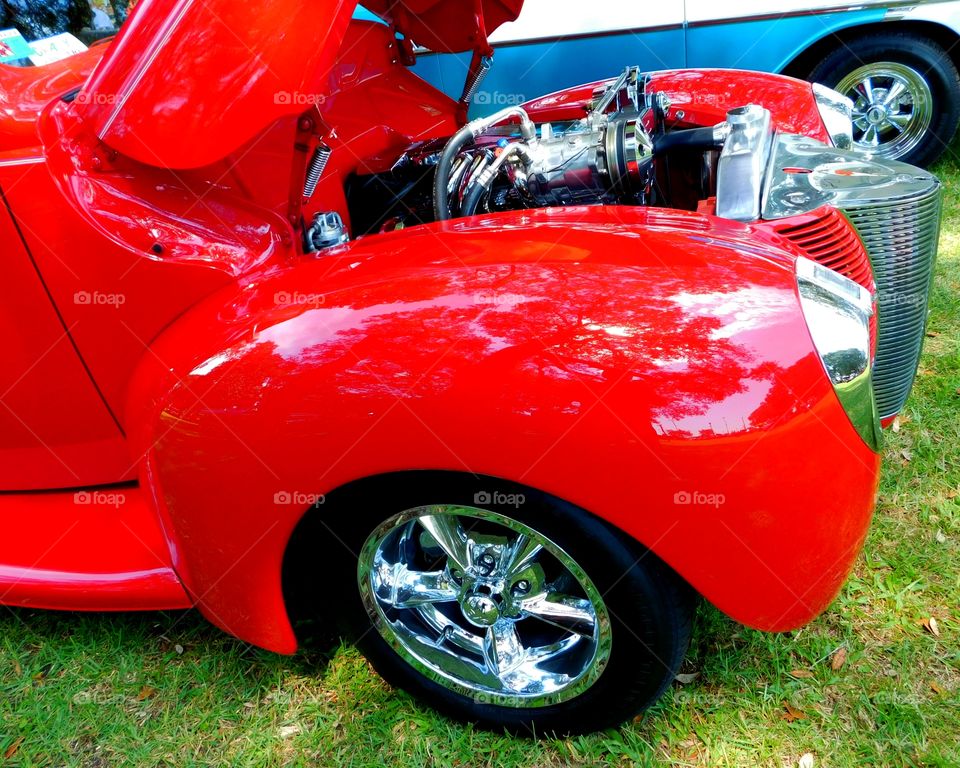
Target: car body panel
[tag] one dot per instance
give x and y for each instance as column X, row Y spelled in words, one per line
column 55, row 430
column 94, row 550
column 172, row 53
column 27, row 90
column 443, row 25
column 768, row 44
column 703, row 97
column 606, row 356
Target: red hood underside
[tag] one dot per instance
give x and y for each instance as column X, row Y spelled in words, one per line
column 446, row 25
column 189, row 81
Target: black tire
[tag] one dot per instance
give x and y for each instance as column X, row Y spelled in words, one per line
column 650, row 608
column 920, row 55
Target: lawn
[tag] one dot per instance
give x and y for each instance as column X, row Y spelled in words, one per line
column 873, row 681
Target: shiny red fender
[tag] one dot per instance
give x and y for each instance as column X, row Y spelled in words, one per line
column 703, row 97
column 650, row 366
column 25, row 91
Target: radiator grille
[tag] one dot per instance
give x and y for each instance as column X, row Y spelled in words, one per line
column 900, row 236
column 828, row 239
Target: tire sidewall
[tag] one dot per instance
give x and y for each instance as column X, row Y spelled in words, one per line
column 649, row 611
column 924, row 56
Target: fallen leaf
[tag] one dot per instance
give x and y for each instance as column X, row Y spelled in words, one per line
column 953, row 492
column 686, row 678
column 17, row 669
column 930, row 624
column 940, row 537
column 802, row 674
column 179, row 649
column 806, row 760
column 287, row 731
column 12, row 749
column 791, row 713
column 933, row 334
column 838, row 659
column 906, row 454
column 895, row 426
column 934, row 687
column 146, row 693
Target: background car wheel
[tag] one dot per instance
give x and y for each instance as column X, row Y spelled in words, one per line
column 906, row 94
column 501, row 605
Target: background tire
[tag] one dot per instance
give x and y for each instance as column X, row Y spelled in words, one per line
column 646, row 608
column 917, row 123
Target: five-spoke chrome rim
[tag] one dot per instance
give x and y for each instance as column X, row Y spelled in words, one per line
column 892, row 107
column 484, row 605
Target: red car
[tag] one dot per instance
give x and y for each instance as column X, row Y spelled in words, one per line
column 288, row 337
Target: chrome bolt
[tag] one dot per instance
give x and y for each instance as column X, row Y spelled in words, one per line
column 521, row 587
column 487, row 562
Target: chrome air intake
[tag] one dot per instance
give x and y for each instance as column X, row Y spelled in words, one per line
column 896, row 210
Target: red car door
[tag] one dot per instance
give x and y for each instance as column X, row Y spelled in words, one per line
column 55, row 430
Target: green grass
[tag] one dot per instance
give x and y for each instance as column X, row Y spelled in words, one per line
column 169, row 689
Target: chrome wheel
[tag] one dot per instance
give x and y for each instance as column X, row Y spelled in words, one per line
column 484, row 605
column 892, row 108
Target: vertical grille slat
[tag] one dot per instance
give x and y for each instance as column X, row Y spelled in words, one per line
column 901, row 239
column 829, row 240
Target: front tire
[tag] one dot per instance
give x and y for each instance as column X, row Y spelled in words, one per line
column 504, row 606
column 906, row 94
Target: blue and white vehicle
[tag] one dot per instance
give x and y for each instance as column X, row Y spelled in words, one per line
column 897, row 61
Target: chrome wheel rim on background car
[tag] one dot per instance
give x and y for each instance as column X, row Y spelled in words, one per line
column 484, row 605
column 892, row 108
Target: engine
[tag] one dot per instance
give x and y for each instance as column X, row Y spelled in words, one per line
column 620, row 152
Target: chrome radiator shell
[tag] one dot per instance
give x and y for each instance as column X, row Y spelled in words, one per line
column 901, row 238
column 895, row 209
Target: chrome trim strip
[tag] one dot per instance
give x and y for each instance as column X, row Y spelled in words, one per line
column 864, row 5
column 22, row 161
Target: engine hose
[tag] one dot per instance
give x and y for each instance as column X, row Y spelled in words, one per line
column 441, row 206
column 692, row 138
column 472, row 200
column 483, row 180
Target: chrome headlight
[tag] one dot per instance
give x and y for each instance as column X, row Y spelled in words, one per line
column 838, row 311
column 836, row 111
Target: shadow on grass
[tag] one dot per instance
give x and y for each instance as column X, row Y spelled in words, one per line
column 160, row 636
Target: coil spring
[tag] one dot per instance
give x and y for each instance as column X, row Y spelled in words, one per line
column 315, row 169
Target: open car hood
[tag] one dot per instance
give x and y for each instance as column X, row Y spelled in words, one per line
column 187, row 82
column 446, row 25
